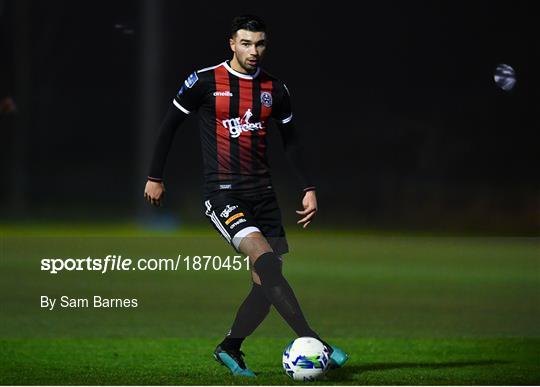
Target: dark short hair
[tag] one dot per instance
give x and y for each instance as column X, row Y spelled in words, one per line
column 247, row 22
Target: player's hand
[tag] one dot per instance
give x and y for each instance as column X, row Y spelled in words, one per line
column 310, row 208
column 153, row 192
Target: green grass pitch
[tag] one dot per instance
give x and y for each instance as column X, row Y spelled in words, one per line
column 408, row 309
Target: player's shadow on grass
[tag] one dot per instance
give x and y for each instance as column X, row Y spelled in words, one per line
column 348, row 372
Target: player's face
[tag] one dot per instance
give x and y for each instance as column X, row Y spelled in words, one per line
column 248, row 48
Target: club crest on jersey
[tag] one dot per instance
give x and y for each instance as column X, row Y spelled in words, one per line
column 266, row 99
column 191, row 80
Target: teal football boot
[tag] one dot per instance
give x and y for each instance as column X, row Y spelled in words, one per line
column 338, row 357
column 234, row 361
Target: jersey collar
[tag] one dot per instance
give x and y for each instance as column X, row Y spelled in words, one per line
column 241, row 75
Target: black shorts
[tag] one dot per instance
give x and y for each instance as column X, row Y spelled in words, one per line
column 234, row 216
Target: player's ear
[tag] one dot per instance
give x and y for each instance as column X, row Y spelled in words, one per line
column 231, row 44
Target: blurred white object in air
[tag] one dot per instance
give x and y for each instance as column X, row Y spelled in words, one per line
column 505, row 77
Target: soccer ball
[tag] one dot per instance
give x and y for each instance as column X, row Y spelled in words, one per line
column 306, row 358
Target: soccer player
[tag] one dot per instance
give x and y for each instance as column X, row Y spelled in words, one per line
column 235, row 101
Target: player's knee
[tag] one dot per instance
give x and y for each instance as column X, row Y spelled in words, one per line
column 253, row 244
column 268, row 267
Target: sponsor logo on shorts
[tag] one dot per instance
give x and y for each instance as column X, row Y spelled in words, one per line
column 234, row 217
column 239, row 221
column 225, row 186
column 227, row 211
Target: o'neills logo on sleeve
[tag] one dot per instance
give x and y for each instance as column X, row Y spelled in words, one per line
column 238, row 125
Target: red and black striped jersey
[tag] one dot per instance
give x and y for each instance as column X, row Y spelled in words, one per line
column 233, row 113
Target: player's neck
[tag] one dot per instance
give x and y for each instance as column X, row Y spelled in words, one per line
column 236, row 67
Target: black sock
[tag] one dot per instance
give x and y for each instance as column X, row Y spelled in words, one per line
column 279, row 292
column 231, row 343
column 250, row 315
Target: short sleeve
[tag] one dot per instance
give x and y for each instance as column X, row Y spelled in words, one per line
column 190, row 95
column 282, row 112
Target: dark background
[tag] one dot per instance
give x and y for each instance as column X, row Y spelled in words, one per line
column 406, row 127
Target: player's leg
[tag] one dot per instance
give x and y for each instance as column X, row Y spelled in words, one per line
column 268, row 218
column 254, row 308
column 267, row 265
column 265, row 249
column 232, row 219
column 255, row 277
column 249, row 316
